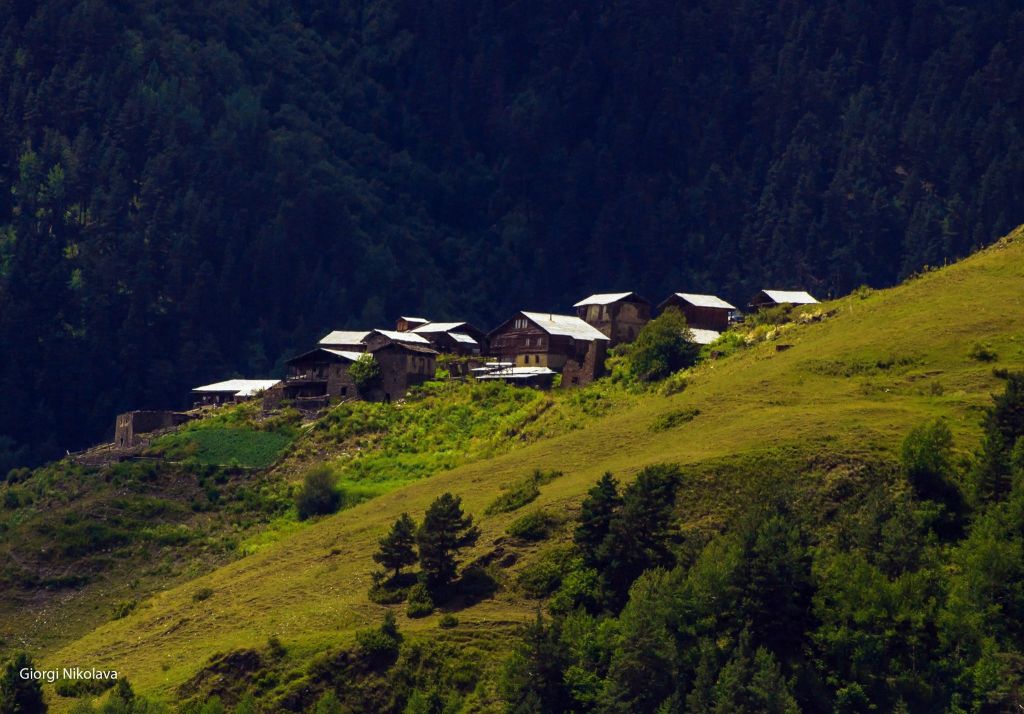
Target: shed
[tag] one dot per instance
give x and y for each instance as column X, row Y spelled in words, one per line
column 704, row 312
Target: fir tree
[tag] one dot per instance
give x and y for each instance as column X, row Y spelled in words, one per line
column 18, row 695
column 398, row 547
column 444, row 532
column 596, row 515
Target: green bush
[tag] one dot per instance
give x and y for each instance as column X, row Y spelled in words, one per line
column 420, row 603
column 674, row 419
column 202, row 594
column 365, row 371
column 663, row 346
column 982, row 352
column 318, row 495
column 522, row 492
column 536, row 525
column 448, row 621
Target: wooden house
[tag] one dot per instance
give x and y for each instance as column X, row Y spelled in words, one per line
column 402, row 365
column 774, row 298
column 407, row 324
column 619, row 316
column 702, row 312
column 460, row 338
column 562, row 343
column 316, row 376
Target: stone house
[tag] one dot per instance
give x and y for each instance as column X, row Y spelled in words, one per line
column 619, row 316
column 562, row 343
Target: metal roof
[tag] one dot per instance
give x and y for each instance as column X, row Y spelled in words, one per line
column 703, row 337
column 793, row 297
column 705, row 300
column 347, row 354
column 438, row 327
column 344, row 337
column 516, row 373
column 414, row 319
column 603, row 299
column 566, row 325
column 238, row 387
column 463, row 338
column 404, row 336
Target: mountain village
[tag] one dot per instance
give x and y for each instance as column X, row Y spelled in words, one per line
column 533, row 349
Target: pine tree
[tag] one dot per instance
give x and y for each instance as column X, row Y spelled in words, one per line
column 533, row 681
column 397, row 548
column 444, row 532
column 599, row 508
column 18, row 695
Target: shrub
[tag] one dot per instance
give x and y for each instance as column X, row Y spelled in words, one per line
column 202, row 594
column 124, row 608
column 420, row 603
column 982, row 352
column 674, row 419
column 663, row 346
column 380, row 645
column 318, row 496
column 536, row 525
column 522, row 492
column 365, row 371
column 543, row 576
column 448, row 621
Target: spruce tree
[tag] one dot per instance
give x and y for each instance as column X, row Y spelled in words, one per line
column 444, row 532
column 18, row 695
column 398, row 547
column 599, row 508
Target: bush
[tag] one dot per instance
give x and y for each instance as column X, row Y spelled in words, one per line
column 448, row 621
column 663, row 346
column 674, row 419
column 522, row 492
column 420, row 603
column 982, row 352
column 202, row 594
column 536, row 525
column 318, row 496
column 365, row 371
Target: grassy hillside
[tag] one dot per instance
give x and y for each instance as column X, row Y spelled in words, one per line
column 841, row 385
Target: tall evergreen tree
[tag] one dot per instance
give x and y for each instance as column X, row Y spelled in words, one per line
column 444, row 532
column 19, row 695
column 398, row 547
column 597, row 512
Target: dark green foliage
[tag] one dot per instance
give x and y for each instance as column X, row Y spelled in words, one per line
column 1004, row 426
column 444, row 532
column 674, row 419
column 365, row 371
column 927, row 460
column 596, row 514
column 420, row 603
column 17, row 695
column 532, row 682
column 448, row 621
column 319, row 495
column 398, row 547
column 532, row 526
column 185, row 223
column 752, row 684
column 662, row 347
column 379, row 647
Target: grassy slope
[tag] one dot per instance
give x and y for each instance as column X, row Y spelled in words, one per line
column 310, row 588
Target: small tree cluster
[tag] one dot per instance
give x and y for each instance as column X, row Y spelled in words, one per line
column 662, row 347
column 319, row 495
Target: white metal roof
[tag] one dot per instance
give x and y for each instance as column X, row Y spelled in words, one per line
column 238, row 387
column 344, row 337
column 793, row 297
column 414, row 319
column 602, row 299
column 463, row 338
column 705, row 300
column 347, row 354
column 566, row 325
column 439, row 327
column 409, row 337
column 516, row 373
column 704, row 337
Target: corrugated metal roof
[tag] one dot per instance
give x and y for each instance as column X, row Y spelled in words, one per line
column 793, row 297
column 238, row 387
column 410, row 337
column 439, row 327
column 344, row 337
column 566, row 325
column 463, row 338
column 703, row 337
column 705, row 300
column 413, row 319
column 602, row 299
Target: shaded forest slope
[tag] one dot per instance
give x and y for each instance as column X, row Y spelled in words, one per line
column 190, row 190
